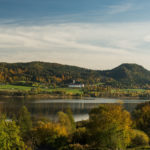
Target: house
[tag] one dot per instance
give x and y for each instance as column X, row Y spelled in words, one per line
column 76, row 85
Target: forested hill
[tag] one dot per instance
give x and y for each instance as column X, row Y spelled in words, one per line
column 130, row 75
column 125, row 75
column 49, row 73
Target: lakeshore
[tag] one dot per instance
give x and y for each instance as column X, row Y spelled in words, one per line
column 32, row 92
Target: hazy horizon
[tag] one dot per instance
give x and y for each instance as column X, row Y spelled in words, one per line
column 94, row 34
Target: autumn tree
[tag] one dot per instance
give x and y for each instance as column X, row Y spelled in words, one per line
column 141, row 116
column 64, row 120
column 24, row 121
column 10, row 138
column 71, row 118
column 138, row 138
column 109, row 127
column 49, row 135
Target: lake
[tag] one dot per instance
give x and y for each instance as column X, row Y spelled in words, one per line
column 49, row 108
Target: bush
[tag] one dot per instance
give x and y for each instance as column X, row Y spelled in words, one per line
column 141, row 116
column 138, row 138
column 49, row 135
column 76, row 147
column 80, row 136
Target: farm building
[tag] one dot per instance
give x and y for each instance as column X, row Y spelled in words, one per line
column 76, row 85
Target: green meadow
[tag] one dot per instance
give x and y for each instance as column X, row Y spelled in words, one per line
column 14, row 87
column 9, row 87
column 128, row 90
column 67, row 90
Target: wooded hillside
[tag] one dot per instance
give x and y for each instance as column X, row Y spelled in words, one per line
column 125, row 75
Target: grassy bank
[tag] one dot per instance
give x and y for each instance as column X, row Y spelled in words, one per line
column 9, row 87
column 8, row 90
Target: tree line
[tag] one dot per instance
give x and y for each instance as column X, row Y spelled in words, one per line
column 109, row 126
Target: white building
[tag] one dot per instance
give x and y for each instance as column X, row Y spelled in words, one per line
column 76, row 85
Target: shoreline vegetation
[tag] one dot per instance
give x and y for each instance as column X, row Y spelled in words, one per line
column 36, row 92
column 109, row 127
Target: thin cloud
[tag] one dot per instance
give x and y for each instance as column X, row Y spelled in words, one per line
column 116, row 9
column 97, row 46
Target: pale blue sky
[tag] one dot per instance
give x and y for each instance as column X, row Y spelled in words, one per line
column 97, row 34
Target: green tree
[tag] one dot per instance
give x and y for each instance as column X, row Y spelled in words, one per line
column 71, row 118
column 24, row 121
column 109, row 127
column 64, row 120
column 10, row 138
column 141, row 116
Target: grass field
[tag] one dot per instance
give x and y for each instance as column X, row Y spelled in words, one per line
column 28, row 88
column 128, row 90
column 67, row 90
column 14, row 87
column 132, row 90
column 71, row 91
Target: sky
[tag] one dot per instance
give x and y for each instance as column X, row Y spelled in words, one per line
column 95, row 34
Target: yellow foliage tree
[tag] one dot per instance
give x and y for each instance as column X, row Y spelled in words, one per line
column 109, row 126
column 46, row 134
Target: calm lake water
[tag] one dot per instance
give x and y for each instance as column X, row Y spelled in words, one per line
column 49, row 108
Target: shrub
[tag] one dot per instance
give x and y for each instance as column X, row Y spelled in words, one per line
column 141, row 116
column 80, row 136
column 49, row 135
column 138, row 138
column 76, row 147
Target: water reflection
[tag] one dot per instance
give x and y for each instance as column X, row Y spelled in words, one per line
column 49, row 108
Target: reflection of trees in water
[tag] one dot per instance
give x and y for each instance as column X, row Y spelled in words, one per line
column 53, row 108
column 130, row 106
column 11, row 106
column 50, row 109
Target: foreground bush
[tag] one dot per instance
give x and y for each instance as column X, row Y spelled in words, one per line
column 10, row 138
column 49, row 135
column 80, row 136
column 76, row 147
column 141, row 117
column 138, row 138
